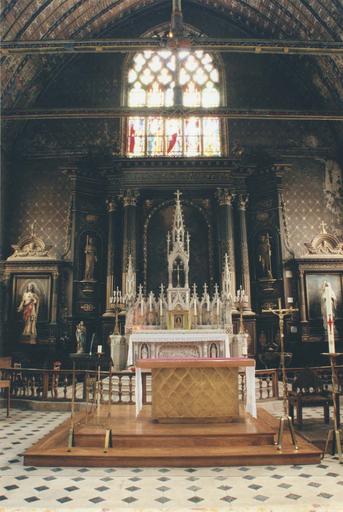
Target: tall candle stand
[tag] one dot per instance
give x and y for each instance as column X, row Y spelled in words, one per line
column 334, row 433
column 285, row 418
column 117, row 303
column 98, row 386
column 241, row 301
column 72, row 415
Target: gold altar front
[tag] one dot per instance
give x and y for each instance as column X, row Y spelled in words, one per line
column 188, row 390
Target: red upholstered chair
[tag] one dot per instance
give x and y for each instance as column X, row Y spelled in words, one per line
column 308, row 391
column 5, row 362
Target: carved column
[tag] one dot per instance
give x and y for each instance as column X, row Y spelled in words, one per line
column 129, row 240
column 110, row 277
column 244, row 253
column 225, row 200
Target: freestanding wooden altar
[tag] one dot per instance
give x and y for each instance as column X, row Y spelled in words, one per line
column 196, row 390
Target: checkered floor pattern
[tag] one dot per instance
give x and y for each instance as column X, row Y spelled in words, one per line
column 263, row 488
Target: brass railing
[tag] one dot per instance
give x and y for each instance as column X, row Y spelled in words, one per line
column 51, row 385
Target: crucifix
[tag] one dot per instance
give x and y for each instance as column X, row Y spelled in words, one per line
column 323, row 227
column 285, row 418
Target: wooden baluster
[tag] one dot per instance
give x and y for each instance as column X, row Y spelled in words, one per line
column 24, row 386
column 65, row 386
column 144, row 399
column 120, row 389
column 131, row 388
column 32, row 387
column 45, row 385
column 261, row 386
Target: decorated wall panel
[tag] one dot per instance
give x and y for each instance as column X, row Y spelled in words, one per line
column 310, row 198
column 41, row 198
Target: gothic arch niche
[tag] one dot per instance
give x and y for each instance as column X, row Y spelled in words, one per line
column 156, row 229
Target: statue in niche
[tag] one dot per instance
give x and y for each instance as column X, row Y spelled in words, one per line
column 29, row 307
column 81, row 337
column 90, row 259
column 213, row 351
column 264, row 257
column 144, row 351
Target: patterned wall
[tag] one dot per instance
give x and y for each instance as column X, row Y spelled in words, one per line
column 306, row 203
column 42, row 197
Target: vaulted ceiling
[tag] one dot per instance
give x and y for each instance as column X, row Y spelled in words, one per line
column 27, row 20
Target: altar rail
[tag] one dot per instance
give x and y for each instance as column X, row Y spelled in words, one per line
column 56, row 385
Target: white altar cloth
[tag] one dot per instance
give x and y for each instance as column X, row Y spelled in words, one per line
column 250, row 398
column 177, row 336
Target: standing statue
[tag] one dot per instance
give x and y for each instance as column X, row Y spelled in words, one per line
column 264, row 256
column 90, row 259
column 81, row 337
column 29, row 305
column 328, row 303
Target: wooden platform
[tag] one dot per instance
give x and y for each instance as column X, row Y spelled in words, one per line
column 139, row 442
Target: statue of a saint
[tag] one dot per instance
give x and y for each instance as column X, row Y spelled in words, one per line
column 29, row 305
column 90, row 259
column 264, row 257
column 328, row 304
column 81, row 337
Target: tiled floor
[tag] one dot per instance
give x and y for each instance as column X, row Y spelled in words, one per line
column 263, row 488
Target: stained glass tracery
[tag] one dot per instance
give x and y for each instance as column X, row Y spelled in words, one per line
column 151, row 79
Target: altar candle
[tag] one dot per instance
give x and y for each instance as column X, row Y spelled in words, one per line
column 142, row 306
column 195, row 307
column 328, row 297
column 99, row 349
column 208, row 305
column 150, row 302
column 217, row 307
column 161, row 307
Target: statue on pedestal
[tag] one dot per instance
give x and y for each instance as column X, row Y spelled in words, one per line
column 264, row 257
column 81, row 337
column 90, row 259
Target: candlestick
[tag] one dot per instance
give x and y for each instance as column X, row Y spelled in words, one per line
column 328, row 297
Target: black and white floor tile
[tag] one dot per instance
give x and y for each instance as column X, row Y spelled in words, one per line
column 316, row 488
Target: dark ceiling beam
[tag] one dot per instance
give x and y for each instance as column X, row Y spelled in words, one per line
column 120, row 112
column 258, row 46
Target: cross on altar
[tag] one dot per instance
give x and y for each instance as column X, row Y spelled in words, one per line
column 281, row 313
column 178, row 194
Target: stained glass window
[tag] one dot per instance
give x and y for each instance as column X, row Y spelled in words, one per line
column 152, row 80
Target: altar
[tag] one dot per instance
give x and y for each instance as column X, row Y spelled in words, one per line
column 177, row 343
column 204, row 389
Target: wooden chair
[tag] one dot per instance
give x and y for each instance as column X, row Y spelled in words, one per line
column 308, row 391
column 5, row 362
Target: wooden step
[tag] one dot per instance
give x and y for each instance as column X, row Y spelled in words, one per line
column 90, row 440
column 174, row 457
column 140, row 442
